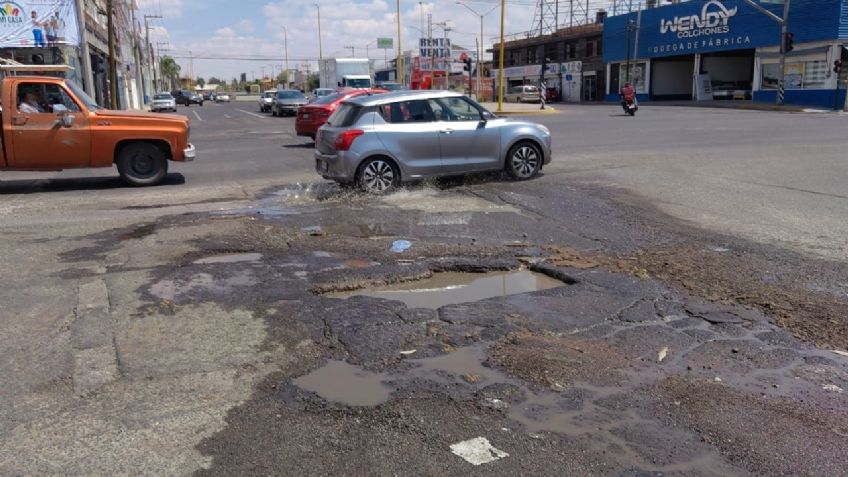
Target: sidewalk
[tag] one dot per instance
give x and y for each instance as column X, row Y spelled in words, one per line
column 512, row 109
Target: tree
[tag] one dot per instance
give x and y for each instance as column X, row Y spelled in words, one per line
column 214, row 80
column 312, row 82
column 170, row 71
column 283, row 78
column 200, row 81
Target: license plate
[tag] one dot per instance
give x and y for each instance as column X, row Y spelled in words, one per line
column 305, row 115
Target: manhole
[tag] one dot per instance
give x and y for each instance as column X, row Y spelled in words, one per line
column 344, row 383
column 455, row 287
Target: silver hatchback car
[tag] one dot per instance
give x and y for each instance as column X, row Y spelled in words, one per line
column 380, row 141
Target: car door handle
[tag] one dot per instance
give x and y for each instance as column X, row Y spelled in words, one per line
column 446, row 131
column 19, row 120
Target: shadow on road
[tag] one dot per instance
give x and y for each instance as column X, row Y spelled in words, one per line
column 303, row 145
column 30, row 186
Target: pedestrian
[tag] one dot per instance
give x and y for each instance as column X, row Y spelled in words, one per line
column 37, row 32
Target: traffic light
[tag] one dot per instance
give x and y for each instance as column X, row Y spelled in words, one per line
column 788, row 42
column 837, row 66
column 468, row 64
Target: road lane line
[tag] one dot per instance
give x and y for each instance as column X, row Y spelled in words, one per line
column 197, row 116
column 253, row 114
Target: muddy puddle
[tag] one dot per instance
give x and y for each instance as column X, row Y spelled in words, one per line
column 229, row 258
column 437, row 201
column 346, row 384
column 455, row 287
column 199, row 283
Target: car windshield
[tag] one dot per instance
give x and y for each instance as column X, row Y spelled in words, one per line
column 290, row 95
column 323, row 92
column 269, row 94
column 162, row 96
column 327, row 99
column 359, row 83
column 82, row 96
column 392, row 86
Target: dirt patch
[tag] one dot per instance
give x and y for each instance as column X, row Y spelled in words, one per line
column 801, row 436
column 558, row 361
column 777, row 289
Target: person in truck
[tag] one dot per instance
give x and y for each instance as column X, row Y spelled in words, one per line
column 30, row 103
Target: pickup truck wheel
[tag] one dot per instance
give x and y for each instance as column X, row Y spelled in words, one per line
column 142, row 164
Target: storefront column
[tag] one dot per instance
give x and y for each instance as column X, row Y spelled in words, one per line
column 696, row 72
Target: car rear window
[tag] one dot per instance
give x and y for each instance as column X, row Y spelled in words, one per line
column 327, row 99
column 289, row 94
column 345, row 115
column 162, row 96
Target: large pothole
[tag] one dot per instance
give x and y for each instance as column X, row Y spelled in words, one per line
column 448, row 288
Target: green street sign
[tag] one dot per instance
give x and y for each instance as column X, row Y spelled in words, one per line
column 384, row 43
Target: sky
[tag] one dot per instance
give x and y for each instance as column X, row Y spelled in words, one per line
column 236, row 31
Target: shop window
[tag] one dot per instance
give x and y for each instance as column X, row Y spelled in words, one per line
column 590, row 48
column 798, row 75
column 514, row 58
column 531, row 56
column 570, row 51
column 618, row 76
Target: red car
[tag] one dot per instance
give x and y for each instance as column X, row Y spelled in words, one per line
column 315, row 114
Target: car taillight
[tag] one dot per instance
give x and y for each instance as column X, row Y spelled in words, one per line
column 345, row 139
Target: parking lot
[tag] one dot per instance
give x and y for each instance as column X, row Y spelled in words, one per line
column 679, row 286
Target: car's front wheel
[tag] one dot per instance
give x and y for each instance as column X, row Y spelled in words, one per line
column 142, row 164
column 523, row 161
column 378, row 175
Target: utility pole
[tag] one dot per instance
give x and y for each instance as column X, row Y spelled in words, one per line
column 113, row 64
column 320, row 50
column 480, row 48
column 286, row 46
column 432, row 50
column 784, row 29
column 400, row 72
column 147, row 43
column 156, row 65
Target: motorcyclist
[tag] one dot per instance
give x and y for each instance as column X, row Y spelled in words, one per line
column 628, row 94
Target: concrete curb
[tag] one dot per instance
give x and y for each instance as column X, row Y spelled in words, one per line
column 547, row 110
column 92, row 339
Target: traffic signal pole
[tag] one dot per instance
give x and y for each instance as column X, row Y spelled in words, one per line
column 783, row 22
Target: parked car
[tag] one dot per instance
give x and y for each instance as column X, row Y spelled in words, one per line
column 222, row 98
column 381, row 141
column 187, row 98
column 390, row 85
column 209, row 96
column 523, row 94
column 315, row 114
column 319, row 92
column 287, row 101
column 266, row 100
column 163, row 102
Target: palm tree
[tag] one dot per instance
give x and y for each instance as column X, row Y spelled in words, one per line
column 170, row 71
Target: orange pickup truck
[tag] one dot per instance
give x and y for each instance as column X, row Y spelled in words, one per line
column 50, row 124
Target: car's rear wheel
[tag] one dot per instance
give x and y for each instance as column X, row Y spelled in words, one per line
column 142, row 164
column 523, row 161
column 378, row 175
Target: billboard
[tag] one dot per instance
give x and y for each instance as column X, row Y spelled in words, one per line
column 38, row 23
column 384, row 43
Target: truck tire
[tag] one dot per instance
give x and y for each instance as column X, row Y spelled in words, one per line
column 142, row 164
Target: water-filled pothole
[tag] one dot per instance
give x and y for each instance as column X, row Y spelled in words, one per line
column 345, row 383
column 456, row 287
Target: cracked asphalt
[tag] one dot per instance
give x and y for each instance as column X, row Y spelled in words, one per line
column 190, row 328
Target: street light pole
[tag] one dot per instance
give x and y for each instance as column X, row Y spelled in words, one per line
column 480, row 50
column 784, row 29
column 501, row 60
column 286, row 46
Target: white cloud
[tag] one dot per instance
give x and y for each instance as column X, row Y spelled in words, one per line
column 225, row 32
column 245, row 26
column 168, row 8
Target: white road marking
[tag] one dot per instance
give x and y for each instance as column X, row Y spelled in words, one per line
column 228, row 116
column 253, row 114
column 197, row 116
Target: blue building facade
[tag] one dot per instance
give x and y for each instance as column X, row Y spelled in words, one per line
column 711, row 49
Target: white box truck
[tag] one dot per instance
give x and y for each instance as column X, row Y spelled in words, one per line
column 339, row 73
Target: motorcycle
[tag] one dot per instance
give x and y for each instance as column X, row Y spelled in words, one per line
column 630, row 107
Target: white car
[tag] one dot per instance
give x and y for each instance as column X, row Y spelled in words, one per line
column 163, row 102
column 222, row 98
column 266, row 100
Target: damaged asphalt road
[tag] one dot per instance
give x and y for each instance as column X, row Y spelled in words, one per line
column 665, row 351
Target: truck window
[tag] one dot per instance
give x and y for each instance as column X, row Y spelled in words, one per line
column 36, row 98
column 358, row 83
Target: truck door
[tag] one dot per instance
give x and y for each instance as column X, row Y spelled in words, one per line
column 39, row 139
